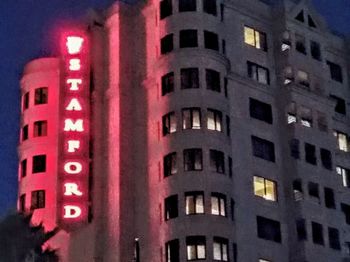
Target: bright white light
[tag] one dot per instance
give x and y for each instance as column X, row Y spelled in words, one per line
column 71, row 211
column 73, row 168
column 72, row 189
column 74, row 44
column 74, row 83
column 69, row 125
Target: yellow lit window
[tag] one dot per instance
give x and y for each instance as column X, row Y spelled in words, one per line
column 265, row 188
column 249, row 36
column 255, row 38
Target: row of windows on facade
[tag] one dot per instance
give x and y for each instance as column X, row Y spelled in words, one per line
column 37, row 200
column 38, row 165
column 40, row 97
column 190, row 79
column 209, row 7
column 191, row 119
column 39, row 129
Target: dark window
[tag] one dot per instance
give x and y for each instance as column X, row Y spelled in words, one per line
column 317, row 233
column 40, row 128
column 232, row 209
column 214, row 120
column 167, row 83
column 194, row 202
column 38, row 199
column 310, row 154
column 22, row 203
column 300, row 44
column 315, row 50
column 263, row 149
column 209, row 6
column 196, row 247
column 25, row 133
column 335, row 71
column 166, row 8
column 329, row 198
column 228, row 126
column 222, row 12
column 189, row 78
column 187, row 5
column 225, row 86
column 169, row 123
column 172, row 251
column 217, row 161
column 170, row 165
column 212, row 78
column 166, row 44
column 25, row 100
column 191, row 118
column 258, row 73
column 170, row 207
column 188, row 38
column 294, row 148
column 235, row 252
column 211, row 40
column 39, row 164
column 269, row 229
column 300, row 16
column 23, row 167
column 340, row 106
column 333, row 236
column 346, row 210
column 223, row 44
column 301, row 229
column 260, row 110
column 40, row 96
column 230, row 172
column 220, row 249
column 193, row 159
column 326, row 158
column 297, row 190
column 311, row 22
column 313, row 190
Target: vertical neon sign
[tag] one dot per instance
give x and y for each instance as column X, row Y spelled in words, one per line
column 75, row 131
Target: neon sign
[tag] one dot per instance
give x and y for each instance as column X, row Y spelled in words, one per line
column 75, row 131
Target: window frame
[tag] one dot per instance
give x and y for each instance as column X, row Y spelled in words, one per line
column 195, row 242
column 40, row 128
column 169, row 123
column 171, row 207
column 216, row 120
column 217, row 161
column 170, row 164
column 264, row 149
column 168, row 84
column 190, row 159
column 167, row 44
column 265, row 195
column 190, row 118
column 222, row 244
column 259, row 38
column 254, row 71
column 194, row 203
column 221, row 204
column 41, row 166
column 213, row 80
column 38, row 200
column 41, row 96
column 188, row 38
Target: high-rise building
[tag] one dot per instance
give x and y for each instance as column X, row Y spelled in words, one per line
column 185, row 130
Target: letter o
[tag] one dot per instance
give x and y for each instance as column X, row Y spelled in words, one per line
column 73, row 168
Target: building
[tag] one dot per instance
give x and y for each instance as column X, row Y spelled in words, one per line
column 191, row 130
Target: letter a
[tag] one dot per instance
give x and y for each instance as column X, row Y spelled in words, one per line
column 74, row 105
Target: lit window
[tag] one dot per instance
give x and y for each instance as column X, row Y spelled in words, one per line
column 340, row 105
column 189, row 78
column 303, row 78
column 335, row 72
column 265, row 188
column 214, row 120
column 39, row 164
column 41, row 96
column 306, row 116
column 288, row 75
column 188, row 38
column 195, row 247
column 263, row 148
column 297, row 190
column 255, row 38
column 40, row 128
column 166, row 44
column 38, row 199
column 300, row 44
column 345, row 173
column 269, row 229
column 193, row 159
column 317, row 233
column 220, row 249
column 167, row 83
column 25, row 133
column 209, row 6
column 211, row 40
column 187, row 5
column 217, row 161
column 169, row 123
column 310, row 154
column 191, row 118
column 258, row 73
column 212, row 79
column 343, row 141
column 171, row 207
column 172, row 249
column 23, row 167
column 291, row 113
column 166, row 8
column 291, row 118
column 218, row 204
column 264, row 260
column 25, row 100
column 326, row 158
column 170, row 166
column 194, row 203
column 260, row 110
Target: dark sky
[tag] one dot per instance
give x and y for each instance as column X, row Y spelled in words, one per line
column 26, row 28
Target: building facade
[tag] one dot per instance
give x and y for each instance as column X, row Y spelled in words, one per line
column 182, row 130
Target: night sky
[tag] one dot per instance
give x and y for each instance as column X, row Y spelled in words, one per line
column 26, row 28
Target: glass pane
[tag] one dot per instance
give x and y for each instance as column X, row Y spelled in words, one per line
column 217, row 251
column 189, row 205
column 249, row 36
column 200, row 204
column 172, row 123
column 343, row 142
column 224, row 252
column 222, row 207
column 214, row 205
column 191, row 252
column 262, row 75
column 211, row 122
column 201, row 251
column 257, row 40
column 270, row 190
column 259, row 189
column 198, row 160
column 218, row 122
column 196, row 119
column 173, row 164
column 186, row 119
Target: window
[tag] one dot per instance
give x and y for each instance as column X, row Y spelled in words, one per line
column 311, row 22
column 188, row 38
column 166, row 44
column 170, row 165
column 41, row 96
column 191, row 118
column 343, row 141
column 264, row 260
column 255, row 38
column 22, row 203
column 346, row 210
column 322, row 121
column 288, row 75
column 218, row 204
column 212, row 78
column 263, row 149
column 39, row 164
column 211, row 40
column 258, row 73
column 172, row 249
column 166, row 8
column 223, row 45
column 317, row 233
column 193, row 159
column 25, row 133
column 228, row 126
column 315, row 50
column 38, row 199
column 329, row 198
column 269, row 229
column 25, row 101
column 194, row 203
column 300, row 44
column 313, row 190
column 335, row 71
column 171, row 207
column 294, row 148
column 265, row 188
column 310, row 154
column 220, row 249
column 347, row 247
column 225, row 86
column 301, row 229
column 195, row 247
column 260, row 110
column 187, row 5
column 189, row 78
column 305, row 116
column 345, row 173
column 235, row 252
column 333, row 236
column 169, row 123
column 297, row 190
column 303, row 78
column 300, row 16
column 40, row 128
column 214, row 121
column 217, row 161
column 168, row 83
column 23, row 167
column 209, row 6
column 232, row 209
column 340, row 106
column 230, row 172
column 326, row 158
